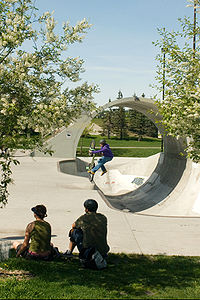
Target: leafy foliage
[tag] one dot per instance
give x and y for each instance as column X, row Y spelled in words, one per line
column 141, row 125
column 180, row 107
column 34, row 101
column 119, row 122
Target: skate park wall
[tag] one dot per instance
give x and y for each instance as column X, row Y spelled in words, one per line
column 64, row 144
column 173, row 185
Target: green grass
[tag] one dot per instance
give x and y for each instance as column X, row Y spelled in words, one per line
column 134, row 152
column 127, row 277
column 114, row 142
column 124, row 152
column 128, row 152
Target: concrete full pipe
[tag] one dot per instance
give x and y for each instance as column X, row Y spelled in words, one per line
column 167, row 180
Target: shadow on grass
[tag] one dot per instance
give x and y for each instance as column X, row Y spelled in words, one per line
column 135, row 275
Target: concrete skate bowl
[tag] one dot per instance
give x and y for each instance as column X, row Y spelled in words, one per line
column 169, row 178
column 75, row 167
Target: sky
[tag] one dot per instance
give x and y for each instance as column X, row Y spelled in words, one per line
column 118, row 50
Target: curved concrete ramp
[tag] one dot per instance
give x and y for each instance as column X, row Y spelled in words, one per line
column 174, row 191
column 167, row 190
column 157, row 188
column 174, row 181
column 125, row 174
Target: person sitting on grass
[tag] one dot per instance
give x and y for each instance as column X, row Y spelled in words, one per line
column 107, row 156
column 37, row 241
column 89, row 231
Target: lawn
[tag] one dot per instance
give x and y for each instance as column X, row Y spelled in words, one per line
column 145, row 143
column 127, row 277
column 124, row 152
column 115, row 142
column 144, row 148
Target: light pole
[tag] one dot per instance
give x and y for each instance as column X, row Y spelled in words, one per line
column 163, row 79
column 194, row 28
column 163, row 89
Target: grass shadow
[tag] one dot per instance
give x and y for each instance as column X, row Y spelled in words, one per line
column 126, row 275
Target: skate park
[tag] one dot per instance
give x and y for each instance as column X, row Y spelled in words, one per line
column 152, row 204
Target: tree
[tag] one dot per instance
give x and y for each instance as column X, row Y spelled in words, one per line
column 139, row 124
column 107, row 122
column 180, row 107
column 33, row 100
column 119, row 120
column 120, row 95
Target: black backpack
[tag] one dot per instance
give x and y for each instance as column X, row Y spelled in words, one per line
column 91, row 258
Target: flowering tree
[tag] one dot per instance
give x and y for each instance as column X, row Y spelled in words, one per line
column 33, row 100
column 179, row 77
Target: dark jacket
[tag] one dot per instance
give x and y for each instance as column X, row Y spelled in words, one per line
column 94, row 227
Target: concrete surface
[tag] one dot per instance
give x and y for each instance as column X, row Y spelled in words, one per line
column 170, row 173
column 160, row 193
column 64, row 143
column 39, row 181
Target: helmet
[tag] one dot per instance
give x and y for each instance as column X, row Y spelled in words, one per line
column 91, row 205
column 102, row 142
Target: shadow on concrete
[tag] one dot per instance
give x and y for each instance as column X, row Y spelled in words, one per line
column 163, row 180
column 75, row 167
column 158, row 187
column 20, row 237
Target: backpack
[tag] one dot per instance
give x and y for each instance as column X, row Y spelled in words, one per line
column 91, row 258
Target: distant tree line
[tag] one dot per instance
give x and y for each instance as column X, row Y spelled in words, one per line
column 122, row 122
